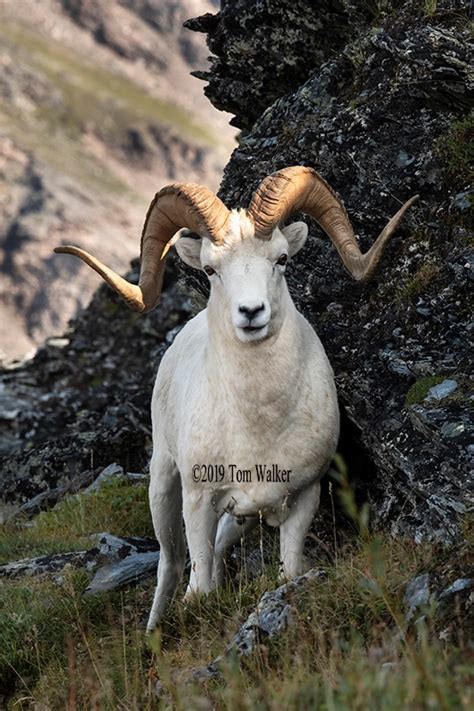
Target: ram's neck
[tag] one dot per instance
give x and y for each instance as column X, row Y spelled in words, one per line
column 263, row 373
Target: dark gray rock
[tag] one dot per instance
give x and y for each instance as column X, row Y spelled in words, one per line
column 380, row 119
column 417, row 594
column 262, row 50
column 133, row 568
column 422, row 591
column 112, row 471
column 275, row 611
column 438, row 392
column 124, row 561
column 461, row 585
column 116, row 562
column 115, row 471
column 50, row 564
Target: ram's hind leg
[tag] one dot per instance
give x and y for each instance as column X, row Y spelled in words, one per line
column 166, row 511
column 229, row 532
column 294, row 529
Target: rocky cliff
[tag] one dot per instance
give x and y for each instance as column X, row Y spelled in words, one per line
column 91, row 125
column 386, row 116
column 382, row 112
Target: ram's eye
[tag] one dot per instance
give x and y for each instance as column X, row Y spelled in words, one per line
column 209, row 270
column 282, row 260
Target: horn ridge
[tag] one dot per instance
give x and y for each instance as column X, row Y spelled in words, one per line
column 172, row 208
column 302, row 189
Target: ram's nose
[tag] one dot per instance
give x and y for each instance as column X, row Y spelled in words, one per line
column 251, row 310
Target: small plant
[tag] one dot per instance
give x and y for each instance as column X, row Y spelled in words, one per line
column 418, row 283
column 431, row 6
column 420, row 389
column 456, row 150
column 356, row 53
column 377, row 9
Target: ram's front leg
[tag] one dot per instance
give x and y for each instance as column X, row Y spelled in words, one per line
column 294, row 529
column 200, row 520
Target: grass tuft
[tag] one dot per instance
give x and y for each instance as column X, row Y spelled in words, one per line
column 117, row 508
column 418, row 283
column 456, row 149
column 431, row 6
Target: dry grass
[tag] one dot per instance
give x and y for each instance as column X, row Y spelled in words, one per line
column 349, row 647
column 418, row 283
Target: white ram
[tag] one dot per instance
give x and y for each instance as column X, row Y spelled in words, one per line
column 244, row 409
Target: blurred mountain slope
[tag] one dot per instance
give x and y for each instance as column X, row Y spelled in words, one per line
column 97, row 111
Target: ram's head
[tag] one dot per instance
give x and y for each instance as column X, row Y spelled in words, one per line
column 251, row 234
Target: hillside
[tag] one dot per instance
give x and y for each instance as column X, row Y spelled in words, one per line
column 376, row 96
column 98, row 110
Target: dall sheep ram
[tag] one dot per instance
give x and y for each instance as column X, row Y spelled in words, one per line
column 244, row 409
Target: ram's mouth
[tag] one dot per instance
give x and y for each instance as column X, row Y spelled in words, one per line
column 254, row 329
column 251, row 333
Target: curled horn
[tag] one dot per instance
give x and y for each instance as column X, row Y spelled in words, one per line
column 173, row 207
column 301, row 189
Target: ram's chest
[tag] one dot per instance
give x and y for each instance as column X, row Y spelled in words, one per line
column 262, row 449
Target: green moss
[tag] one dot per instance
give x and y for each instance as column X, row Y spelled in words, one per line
column 419, row 390
column 418, row 283
column 456, row 149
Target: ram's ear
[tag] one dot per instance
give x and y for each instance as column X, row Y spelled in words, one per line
column 296, row 235
column 189, row 248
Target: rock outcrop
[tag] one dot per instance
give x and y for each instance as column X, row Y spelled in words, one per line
column 262, row 50
column 386, row 116
column 114, row 561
